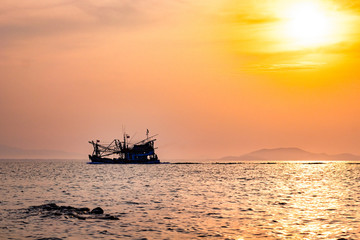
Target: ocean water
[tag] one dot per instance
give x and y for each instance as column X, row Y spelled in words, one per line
column 286, row 200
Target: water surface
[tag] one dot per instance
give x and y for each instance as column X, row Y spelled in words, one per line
column 291, row 200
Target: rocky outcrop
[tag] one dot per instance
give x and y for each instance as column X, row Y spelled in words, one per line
column 83, row 213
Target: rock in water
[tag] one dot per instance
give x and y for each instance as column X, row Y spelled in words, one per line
column 97, row 210
column 83, row 213
column 83, row 209
column 109, row 217
column 48, row 207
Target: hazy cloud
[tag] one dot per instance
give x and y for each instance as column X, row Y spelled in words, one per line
column 122, row 13
column 286, row 66
column 252, row 19
column 41, row 18
column 345, row 48
column 349, row 5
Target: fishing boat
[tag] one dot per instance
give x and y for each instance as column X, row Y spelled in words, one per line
column 123, row 152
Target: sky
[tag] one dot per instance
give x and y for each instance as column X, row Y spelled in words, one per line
column 213, row 78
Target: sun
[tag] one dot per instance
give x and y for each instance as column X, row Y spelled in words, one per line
column 308, row 24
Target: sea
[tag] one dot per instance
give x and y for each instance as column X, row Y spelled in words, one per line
column 232, row 201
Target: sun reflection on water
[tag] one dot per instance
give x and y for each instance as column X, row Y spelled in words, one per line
column 312, row 209
column 306, row 201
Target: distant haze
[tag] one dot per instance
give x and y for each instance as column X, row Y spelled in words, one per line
column 290, row 154
column 16, row 153
column 273, row 154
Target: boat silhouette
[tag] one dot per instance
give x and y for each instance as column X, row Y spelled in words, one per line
column 123, row 152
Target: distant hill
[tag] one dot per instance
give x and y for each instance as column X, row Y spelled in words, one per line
column 16, row 153
column 290, row 154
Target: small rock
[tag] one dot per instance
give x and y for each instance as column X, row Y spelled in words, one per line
column 97, row 210
column 80, row 217
column 67, row 208
column 109, row 217
column 49, row 206
column 83, row 209
column 76, row 216
column 50, row 238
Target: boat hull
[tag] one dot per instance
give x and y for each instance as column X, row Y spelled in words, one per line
column 101, row 160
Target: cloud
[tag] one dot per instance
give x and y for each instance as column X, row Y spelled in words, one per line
column 349, row 5
column 21, row 23
column 286, row 66
column 38, row 19
column 289, row 60
column 120, row 12
column 344, row 48
column 252, row 19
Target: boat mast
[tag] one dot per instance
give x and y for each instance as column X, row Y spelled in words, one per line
column 97, row 152
column 125, row 141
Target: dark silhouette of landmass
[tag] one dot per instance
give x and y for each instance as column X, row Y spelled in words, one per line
column 7, row 152
column 290, row 154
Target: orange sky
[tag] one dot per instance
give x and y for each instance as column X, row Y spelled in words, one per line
column 212, row 78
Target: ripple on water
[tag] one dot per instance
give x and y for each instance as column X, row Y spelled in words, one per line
column 189, row 201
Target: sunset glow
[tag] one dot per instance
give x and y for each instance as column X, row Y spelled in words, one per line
column 180, row 119
column 309, row 25
column 250, row 74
